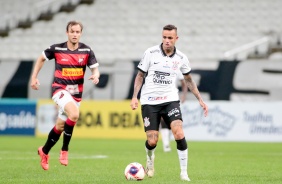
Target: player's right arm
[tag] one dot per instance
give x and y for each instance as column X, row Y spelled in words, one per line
column 34, row 84
column 137, row 86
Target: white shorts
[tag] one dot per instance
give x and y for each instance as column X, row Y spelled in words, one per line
column 61, row 98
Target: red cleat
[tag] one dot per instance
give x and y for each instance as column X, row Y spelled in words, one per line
column 64, row 158
column 44, row 158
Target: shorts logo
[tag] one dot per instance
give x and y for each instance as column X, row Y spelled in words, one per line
column 174, row 112
column 146, row 122
column 61, row 96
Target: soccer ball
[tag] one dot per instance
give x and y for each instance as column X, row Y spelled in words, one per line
column 134, row 171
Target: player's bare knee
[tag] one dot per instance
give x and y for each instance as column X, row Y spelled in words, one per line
column 74, row 116
column 152, row 137
column 60, row 125
column 152, row 142
column 178, row 134
column 60, row 128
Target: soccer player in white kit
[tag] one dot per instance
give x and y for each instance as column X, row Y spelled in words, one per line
column 159, row 96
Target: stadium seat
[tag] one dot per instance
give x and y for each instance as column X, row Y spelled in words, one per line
column 206, row 28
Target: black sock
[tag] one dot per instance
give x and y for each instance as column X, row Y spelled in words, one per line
column 181, row 144
column 68, row 129
column 148, row 146
column 53, row 137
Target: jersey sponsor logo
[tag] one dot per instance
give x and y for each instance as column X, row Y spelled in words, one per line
column 146, row 122
column 156, row 98
column 72, row 89
column 160, row 78
column 63, row 59
column 72, row 72
column 166, row 66
column 60, row 48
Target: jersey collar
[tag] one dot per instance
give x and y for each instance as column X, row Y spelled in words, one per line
column 163, row 52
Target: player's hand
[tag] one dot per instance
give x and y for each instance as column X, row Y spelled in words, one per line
column 205, row 107
column 134, row 103
column 34, row 83
column 94, row 78
column 182, row 99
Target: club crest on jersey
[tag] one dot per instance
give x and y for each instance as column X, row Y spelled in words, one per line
column 175, row 65
column 80, row 60
column 146, row 122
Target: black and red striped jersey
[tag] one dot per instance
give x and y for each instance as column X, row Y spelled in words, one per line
column 70, row 67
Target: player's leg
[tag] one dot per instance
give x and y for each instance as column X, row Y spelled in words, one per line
column 165, row 133
column 173, row 115
column 182, row 148
column 150, row 146
column 151, row 123
column 52, row 139
column 72, row 112
column 69, row 113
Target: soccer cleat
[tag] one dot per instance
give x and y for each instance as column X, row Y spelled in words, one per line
column 64, row 158
column 150, row 166
column 184, row 177
column 44, row 158
column 167, row 149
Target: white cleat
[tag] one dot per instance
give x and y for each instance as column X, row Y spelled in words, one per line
column 150, row 166
column 184, row 177
column 167, row 149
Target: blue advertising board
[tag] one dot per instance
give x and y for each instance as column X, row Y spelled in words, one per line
column 17, row 117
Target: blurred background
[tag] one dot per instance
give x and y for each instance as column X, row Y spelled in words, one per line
column 234, row 47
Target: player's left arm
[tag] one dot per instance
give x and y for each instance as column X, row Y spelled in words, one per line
column 184, row 91
column 93, row 65
column 192, row 86
column 95, row 75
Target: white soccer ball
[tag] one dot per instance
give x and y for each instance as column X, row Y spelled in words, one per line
column 134, row 171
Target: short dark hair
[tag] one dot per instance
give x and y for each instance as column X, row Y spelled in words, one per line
column 72, row 23
column 170, row 27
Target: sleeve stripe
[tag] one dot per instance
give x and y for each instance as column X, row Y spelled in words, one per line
column 44, row 55
column 94, row 65
column 141, row 70
column 187, row 73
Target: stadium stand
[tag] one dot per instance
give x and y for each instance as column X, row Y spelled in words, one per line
column 120, row 31
column 205, row 26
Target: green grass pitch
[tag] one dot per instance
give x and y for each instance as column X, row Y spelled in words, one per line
column 103, row 161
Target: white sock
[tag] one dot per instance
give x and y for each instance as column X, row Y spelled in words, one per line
column 183, row 160
column 165, row 137
column 150, row 153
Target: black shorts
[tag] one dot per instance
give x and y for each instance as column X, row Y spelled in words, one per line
column 152, row 114
column 163, row 124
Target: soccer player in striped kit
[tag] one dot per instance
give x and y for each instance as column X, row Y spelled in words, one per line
column 159, row 96
column 71, row 58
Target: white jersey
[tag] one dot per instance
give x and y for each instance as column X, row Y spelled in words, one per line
column 179, row 76
column 162, row 75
